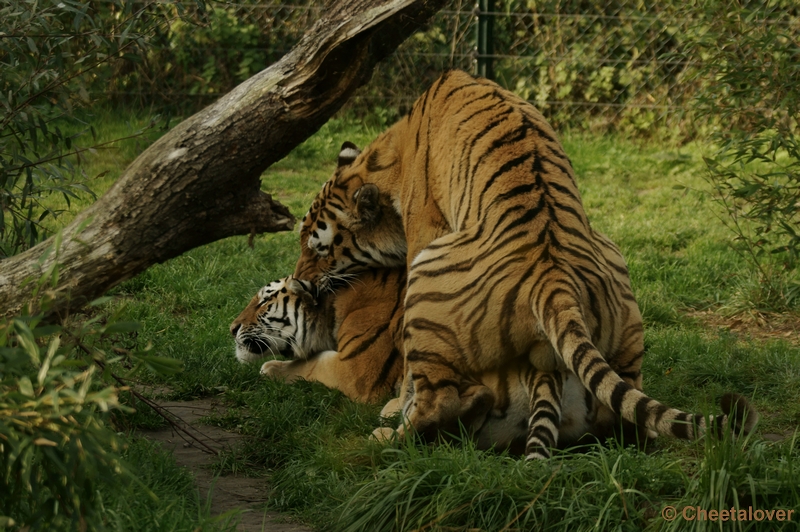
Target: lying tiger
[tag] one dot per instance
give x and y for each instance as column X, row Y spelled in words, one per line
column 473, row 193
column 349, row 339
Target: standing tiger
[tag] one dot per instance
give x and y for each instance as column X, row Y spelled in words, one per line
column 474, row 193
column 350, row 339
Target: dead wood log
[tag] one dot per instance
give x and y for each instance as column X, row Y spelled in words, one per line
column 200, row 182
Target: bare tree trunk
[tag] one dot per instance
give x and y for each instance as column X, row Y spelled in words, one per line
column 200, row 182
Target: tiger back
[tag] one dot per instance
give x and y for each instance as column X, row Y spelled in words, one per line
column 473, row 190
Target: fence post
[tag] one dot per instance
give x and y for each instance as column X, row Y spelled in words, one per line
column 485, row 38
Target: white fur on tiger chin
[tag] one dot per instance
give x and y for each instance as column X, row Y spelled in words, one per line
column 246, row 356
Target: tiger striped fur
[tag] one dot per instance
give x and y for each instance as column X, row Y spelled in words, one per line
column 341, row 339
column 473, row 191
column 349, row 340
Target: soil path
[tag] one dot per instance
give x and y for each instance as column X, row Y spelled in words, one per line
column 227, row 492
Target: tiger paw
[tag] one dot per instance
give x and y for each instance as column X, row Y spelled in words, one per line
column 391, row 408
column 274, row 368
column 384, row 434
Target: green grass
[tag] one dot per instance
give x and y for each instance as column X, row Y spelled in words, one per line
column 313, row 444
column 108, row 140
column 173, row 503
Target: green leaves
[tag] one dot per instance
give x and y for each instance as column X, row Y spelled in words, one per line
column 749, row 86
column 56, row 388
column 162, row 365
column 51, row 54
column 121, row 327
column 52, row 441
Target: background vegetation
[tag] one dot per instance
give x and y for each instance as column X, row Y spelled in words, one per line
column 748, row 84
column 78, row 75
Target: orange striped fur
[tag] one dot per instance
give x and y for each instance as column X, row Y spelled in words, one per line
column 473, row 192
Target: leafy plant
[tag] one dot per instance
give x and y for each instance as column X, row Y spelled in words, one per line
column 56, row 389
column 52, row 52
column 203, row 53
column 239, row 54
column 751, row 90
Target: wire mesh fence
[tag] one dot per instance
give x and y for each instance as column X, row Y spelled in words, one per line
column 607, row 63
column 591, row 63
column 612, row 61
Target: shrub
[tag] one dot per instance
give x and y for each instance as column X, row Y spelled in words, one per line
column 751, row 91
column 51, row 54
column 56, row 389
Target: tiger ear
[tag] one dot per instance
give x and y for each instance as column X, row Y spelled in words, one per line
column 302, row 291
column 367, row 200
column 348, row 154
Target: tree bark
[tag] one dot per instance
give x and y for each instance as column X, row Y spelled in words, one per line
column 200, row 182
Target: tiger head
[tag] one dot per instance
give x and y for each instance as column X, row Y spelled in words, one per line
column 351, row 226
column 284, row 317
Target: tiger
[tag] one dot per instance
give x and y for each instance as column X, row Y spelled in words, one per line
column 474, row 194
column 350, row 339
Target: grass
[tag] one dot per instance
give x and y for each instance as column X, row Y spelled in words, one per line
column 172, row 504
column 312, row 442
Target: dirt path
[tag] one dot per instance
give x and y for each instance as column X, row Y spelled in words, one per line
column 227, row 492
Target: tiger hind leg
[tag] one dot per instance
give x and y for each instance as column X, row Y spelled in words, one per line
column 545, row 414
column 440, row 354
column 441, row 400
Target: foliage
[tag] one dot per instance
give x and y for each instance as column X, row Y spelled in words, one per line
column 584, row 63
column 599, row 62
column 55, row 448
column 203, row 53
column 241, row 52
column 56, row 389
column 52, row 54
column 750, row 61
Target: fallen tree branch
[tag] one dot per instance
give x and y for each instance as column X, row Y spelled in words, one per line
column 200, row 182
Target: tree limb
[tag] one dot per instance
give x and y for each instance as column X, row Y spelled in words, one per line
column 200, row 182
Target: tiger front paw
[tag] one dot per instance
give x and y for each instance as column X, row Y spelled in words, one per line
column 384, row 434
column 275, row 369
column 391, row 408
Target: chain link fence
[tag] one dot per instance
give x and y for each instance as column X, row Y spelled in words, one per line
column 601, row 65
column 597, row 64
column 606, row 63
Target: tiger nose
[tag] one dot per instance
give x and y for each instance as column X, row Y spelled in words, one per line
column 235, row 328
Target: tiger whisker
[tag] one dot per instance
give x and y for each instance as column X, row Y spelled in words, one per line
column 291, row 340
